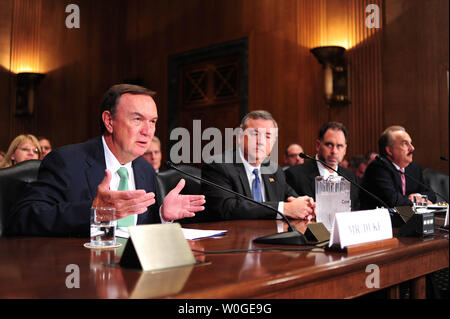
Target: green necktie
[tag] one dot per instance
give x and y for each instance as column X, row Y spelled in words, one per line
column 123, row 186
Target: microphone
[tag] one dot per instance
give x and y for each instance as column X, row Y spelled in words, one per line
column 382, row 160
column 305, row 156
column 443, row 158
column 291, row 237
column 403, row 217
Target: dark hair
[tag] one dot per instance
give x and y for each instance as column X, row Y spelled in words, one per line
column 333, row 126
column 111, row 97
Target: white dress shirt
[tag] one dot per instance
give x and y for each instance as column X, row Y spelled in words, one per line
column 112, row 164
column 251, row 177
column 323, row 170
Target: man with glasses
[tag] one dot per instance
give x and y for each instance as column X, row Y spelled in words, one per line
column 292, row 155
column 331, row 147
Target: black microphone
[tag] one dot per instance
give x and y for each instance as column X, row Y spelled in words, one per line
column 291, row 237
column 305, row 156
column 382, row 160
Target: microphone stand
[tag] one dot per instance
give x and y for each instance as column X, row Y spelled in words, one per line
column 305, row 156
column 291, row 237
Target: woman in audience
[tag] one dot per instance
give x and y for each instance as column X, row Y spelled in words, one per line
column 23, row 148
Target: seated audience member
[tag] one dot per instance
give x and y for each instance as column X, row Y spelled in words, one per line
column 249, row 171
column 292, row 155
column 331, row 147
column 384, row 177
column 357, row 165
column 370, row 156
column 74, row 178
column 344, row 163
column 46, row 146
column 153, row 154
column 23, row 148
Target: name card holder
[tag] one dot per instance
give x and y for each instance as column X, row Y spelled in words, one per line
column 358, row 231
column 156, row 247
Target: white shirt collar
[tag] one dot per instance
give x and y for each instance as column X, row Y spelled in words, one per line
column 247, row 165
column 398, row 167
column 323, row 171
column 249, row 171
column 112, row 164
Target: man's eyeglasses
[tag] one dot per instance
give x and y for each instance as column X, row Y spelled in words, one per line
column 293, row 155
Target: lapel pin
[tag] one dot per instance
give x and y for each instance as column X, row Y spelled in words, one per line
column 271, row 180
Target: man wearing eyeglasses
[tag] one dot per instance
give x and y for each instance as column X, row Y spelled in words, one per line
column 331, row 147
column 292, row 155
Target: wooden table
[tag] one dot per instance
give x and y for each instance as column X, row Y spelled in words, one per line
column 36, row 267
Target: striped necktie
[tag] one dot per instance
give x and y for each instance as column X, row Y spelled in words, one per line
column 123, row 186
column 256, row 187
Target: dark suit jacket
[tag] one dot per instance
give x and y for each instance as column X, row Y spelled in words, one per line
column 221, row 205
column 302, row 179
column 382, row 179
column 58, row 203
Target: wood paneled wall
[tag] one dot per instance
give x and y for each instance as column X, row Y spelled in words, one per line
column 397, row 74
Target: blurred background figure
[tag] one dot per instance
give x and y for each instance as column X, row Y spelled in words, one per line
column 370, row 156
column 357, row 165
column 344, row 163
column 292, row 155
column 153, row 154
column 46, row 146
column 23, row 148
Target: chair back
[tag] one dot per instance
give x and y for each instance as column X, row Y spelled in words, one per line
column 167, row 180
column 13, row 180
column 437, row 181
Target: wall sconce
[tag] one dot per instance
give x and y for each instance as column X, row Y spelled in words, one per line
column 25, row 92
column 335, row 77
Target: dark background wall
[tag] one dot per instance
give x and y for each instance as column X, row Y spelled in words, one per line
column 397, row 74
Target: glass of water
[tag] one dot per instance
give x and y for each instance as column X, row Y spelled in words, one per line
column 103, row 227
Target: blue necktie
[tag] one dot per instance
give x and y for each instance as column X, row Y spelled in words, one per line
column 256, row 187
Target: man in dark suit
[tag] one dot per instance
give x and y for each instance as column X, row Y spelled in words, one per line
column 249, row 171
column 383, row 176
column 76, row 177
column 331, row 147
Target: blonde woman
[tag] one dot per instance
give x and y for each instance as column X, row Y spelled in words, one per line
column 23, row 148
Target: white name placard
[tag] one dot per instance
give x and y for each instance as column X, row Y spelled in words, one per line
column 360, row 227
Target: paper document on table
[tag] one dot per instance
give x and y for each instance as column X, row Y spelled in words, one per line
column 189, row 234
column 192, row 234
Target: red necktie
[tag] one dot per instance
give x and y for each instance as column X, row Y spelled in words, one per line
column 402, row 176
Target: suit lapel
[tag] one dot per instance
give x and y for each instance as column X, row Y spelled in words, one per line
column 270, row 186
column 95, row 171
column 240, row 172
